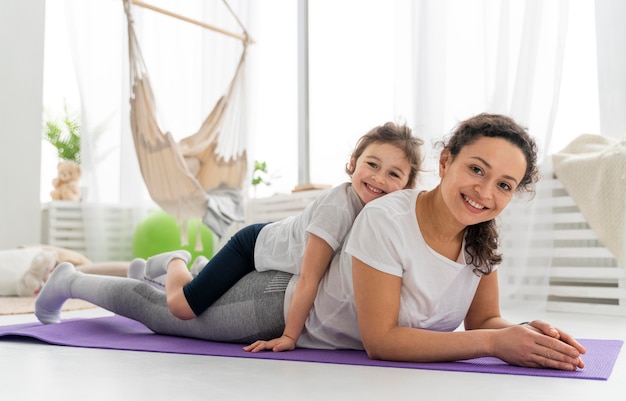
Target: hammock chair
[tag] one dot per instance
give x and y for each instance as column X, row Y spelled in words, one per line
column 202, row 175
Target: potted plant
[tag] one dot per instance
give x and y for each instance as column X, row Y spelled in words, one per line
column 65, row 137
column 261, row 175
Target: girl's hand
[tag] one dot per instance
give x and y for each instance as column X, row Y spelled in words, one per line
column 282, row 343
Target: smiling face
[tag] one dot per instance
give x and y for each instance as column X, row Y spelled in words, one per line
column 382, row 168
column 480, row 181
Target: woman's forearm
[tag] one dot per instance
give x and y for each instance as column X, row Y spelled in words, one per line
column 415, row 345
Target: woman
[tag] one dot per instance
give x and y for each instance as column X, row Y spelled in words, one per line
column 423, row 263
column 435, row 267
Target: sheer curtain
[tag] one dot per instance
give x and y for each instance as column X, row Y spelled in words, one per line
column 499, row 57
column 611, row 45
column 430, row 63
column 187, row 79
column 434, row 63
column 97, row 44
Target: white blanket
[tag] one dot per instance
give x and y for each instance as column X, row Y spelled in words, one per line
column 14, row 263
column 592, row 169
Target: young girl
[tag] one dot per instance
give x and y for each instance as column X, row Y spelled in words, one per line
column 386, row 159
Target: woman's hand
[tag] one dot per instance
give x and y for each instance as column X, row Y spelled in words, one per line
column 555, row 332
column 539, row 345
column 279, row 344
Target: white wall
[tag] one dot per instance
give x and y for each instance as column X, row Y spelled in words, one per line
column 21, row 81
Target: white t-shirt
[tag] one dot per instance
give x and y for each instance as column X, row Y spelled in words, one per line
column 436, row 291
column 280, row 245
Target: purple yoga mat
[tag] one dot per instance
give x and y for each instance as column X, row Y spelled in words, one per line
column 116, row 332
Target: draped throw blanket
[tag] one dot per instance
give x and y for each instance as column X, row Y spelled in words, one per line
column 181, row 176
column 592, row 170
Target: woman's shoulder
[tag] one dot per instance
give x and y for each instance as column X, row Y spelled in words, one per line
column 397, row 198
column 398, row 203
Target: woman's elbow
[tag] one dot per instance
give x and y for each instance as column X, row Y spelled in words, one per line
column 374, row 354
column 375, row 350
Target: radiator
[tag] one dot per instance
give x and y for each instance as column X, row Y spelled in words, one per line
column 278, row 207
column 583, row 275
column 63, row 225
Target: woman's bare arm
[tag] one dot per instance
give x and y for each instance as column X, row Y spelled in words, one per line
column 377, row 297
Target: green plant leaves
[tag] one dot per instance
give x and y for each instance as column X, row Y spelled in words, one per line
column 65, row 137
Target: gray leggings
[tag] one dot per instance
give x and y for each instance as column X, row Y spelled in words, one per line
column 251, row 310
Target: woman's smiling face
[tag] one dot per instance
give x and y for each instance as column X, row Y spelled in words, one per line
column 480, row 181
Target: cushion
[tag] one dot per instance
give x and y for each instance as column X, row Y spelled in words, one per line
column 13, row 264
column 65, row 255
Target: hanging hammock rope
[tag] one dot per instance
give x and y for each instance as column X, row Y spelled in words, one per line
column 244, row 38
column 179, row 175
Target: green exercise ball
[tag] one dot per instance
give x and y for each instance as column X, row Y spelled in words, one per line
column 159, row 233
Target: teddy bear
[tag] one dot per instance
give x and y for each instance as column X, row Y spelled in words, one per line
column 37, row 274
column 66, row 184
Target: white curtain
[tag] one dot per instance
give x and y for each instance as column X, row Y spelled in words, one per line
column 190, row 68
column 450, row 59
column 611, row 47
column 434, row 63
column 499, row 57
column 97, row 42
column 510, row 57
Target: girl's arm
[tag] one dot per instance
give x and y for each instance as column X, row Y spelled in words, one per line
column 317, row 257
column 377, row 297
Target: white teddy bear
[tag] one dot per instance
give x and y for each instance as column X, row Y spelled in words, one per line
column 34, row 278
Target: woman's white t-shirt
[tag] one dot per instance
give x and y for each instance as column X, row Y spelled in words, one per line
column 280, row 245
column 436, row 291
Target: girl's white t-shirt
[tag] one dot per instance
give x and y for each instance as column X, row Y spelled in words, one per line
column 436, row 291
column 280, row 245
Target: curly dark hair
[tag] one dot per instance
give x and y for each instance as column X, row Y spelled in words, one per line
column 482, row 240
column 397, row 135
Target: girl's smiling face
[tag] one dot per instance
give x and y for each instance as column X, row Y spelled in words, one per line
column 382, row 168
column 480, row 181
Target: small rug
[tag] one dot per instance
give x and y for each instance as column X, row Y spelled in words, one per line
column 23, row 305
column 116, row 332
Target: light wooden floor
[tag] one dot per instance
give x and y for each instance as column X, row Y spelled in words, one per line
column 35, row 371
